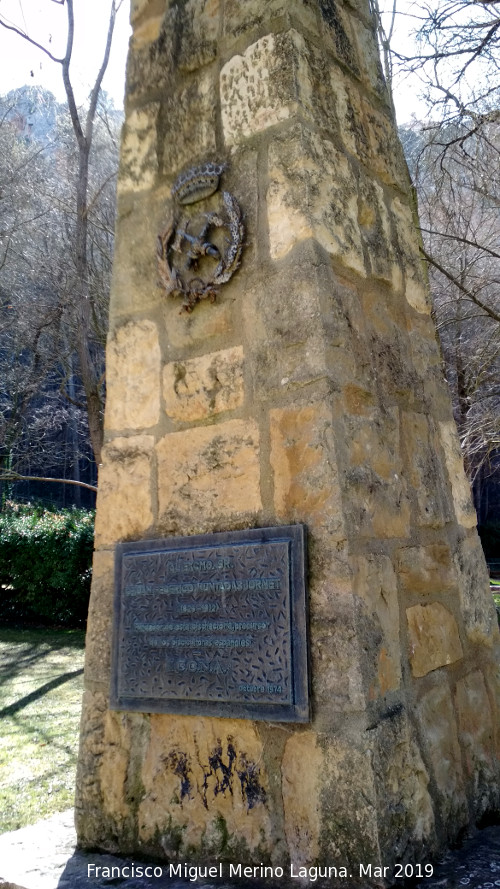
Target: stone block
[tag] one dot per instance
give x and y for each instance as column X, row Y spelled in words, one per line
column 133, row 377
column 138, row 159
column 376, row 502
column 386, row 159
column 367, row 52
column 374, row 582
column 305, row 477
column 407, row 239
column 462, row 499
column 201, row 387
column 135, row 289
column 187, row 124
column 124, row 509
column 145, row 8
column 100, row 619
column 204, row 787
column 426, row 570
column 337, row 680
column 337, row 28
column 314, row 182
column 209, row 476
column 476, row 602
column 264, row 86
column 439, row 731
column 114, row 763
column 209, row 321
column 424, row 470
column 406, row 815
column 301, row 788
column 195, row 25
column 477, row 737
column 375, row 227
column 241, row 16
column 433, row 638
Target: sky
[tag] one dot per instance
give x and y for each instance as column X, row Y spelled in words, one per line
column 45, row 22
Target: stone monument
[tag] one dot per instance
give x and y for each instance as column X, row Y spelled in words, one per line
column 272, row 363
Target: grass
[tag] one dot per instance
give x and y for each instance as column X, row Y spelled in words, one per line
column 41, row 687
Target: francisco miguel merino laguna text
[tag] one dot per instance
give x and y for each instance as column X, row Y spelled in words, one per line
column 194, row 872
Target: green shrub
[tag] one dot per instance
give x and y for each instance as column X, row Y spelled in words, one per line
column 45, row 565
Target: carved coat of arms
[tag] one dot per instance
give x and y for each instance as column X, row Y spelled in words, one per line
column 198, row 252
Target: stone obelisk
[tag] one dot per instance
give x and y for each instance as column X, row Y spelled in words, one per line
column 281, row 367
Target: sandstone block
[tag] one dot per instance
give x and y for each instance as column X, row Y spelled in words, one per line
column 134, row 288
column 124, row 508
column 201, row 387
column 386, row 160
column 337, row 680
column 367, row 51
column 259, row 89
column 433, row 638
column 113, row 766
column 187, row 123
column 439, row 728
column 195, row 25
column 301, row 782
column 374, row 581
column 138, row 164
column 240, row 16
column 476, row 602
column 424, row 471
column 416, row 284
column 133, row 377
column 205, row 787
column 375, row 496
column 426, row 570
column 100, row 619
column 208, row 475
column 374, row 223
column 147, row 32
column 145, row 8
column 406, row 814
column 314, row 182
column 336, row 26
column 464, row 507
column 304, row 471
column 475, row 726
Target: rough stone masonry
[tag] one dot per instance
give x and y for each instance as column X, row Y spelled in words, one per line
column 308, row 389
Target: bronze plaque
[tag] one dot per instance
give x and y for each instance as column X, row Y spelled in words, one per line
column 213, row 624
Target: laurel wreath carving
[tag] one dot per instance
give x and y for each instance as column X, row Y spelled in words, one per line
column 187, row 240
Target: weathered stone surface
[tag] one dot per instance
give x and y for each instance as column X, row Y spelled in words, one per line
column 139, row 165
column 305, row 483
column 406, row 815
column 99, row 621
column 135, row 290
column 196, row 27
column 204, row 386
column 259, row 88
column 337, row 680
column 212, row 776
column 475, row 727
column 439, row 728
column 426, row 570
column 145, row 8
column 187, row 124
column 336, row 27
column 301, row 789
column 433, row 638
column 348, row 801
column 124, row 508
column 374, row 581
column 464, row 508
column 114, row 764
column 240, row 18
column 425, row 473
column 314, row 182
column 416, row 284
column 133, row 377
column 375, row 228
column 375, row 486
column 476, row 602
column 209, row 471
